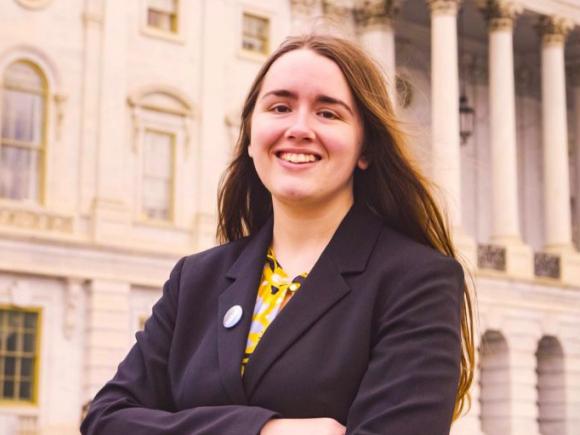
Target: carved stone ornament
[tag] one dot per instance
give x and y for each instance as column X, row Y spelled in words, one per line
column 547, row 265
column 36, row 220
column 369, row 13
column 500, row 14
column 491, row 257
column 554, row 30
column 444, row 7
column 73, row 294
column 303, row 7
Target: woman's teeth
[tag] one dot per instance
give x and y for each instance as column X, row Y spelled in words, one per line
column 298, row 158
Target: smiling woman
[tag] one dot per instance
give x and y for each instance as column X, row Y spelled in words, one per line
column 340, row 305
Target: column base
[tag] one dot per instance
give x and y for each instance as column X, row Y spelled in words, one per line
column 568, row 271
column 519, row 258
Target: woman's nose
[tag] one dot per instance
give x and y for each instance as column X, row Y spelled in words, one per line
column 300, row 128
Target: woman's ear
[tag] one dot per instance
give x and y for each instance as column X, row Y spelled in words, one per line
column 362, row 163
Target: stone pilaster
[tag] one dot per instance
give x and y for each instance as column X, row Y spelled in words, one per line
column 374, row 19
column 446, row 155
column 523, row 337
column 500, row 16
column 107, row 335
column 574, row 77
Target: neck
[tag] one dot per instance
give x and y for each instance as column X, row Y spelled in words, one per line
column 300, row 234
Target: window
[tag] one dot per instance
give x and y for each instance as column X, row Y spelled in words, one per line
column 256, row 34
column 23, row 111
column 162, row 15
column 18, row 354
column 158, row 156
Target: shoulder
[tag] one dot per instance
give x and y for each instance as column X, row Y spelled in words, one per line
column 402, row 258
column 219, row 258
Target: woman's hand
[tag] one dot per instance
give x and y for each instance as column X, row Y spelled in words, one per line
column 303, row 426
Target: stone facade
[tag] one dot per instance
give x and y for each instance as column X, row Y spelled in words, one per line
column 86, row 257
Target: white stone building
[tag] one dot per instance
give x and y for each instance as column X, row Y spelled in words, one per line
column 91, row 223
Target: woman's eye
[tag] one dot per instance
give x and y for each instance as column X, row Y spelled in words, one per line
column 328, row 114
column 280, row 108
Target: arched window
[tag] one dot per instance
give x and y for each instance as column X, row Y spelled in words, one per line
column 22, row 125
column 551, row 393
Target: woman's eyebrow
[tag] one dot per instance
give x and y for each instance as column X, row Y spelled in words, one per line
column 320, row 98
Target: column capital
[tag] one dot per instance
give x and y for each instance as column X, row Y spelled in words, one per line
column 369, row 13
column 554, row 29
column 500, row 14
column 444, row 7
column 336, row 8
column 303, row 7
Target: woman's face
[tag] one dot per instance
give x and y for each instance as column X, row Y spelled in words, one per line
column 306, row 133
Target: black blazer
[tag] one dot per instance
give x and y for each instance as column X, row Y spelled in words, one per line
column 372, row 339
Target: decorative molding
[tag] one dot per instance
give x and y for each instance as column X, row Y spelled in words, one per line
column 500, row 14
column 547, row 265
column 36, row 220
column 444, row 7
column 491, row 257
column 370, row 13
column 303, row 7
column 554, row 30
column 34, row 4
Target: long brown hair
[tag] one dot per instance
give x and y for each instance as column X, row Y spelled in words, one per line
column 392, row 186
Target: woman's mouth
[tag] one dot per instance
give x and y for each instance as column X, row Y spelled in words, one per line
column 298, row 158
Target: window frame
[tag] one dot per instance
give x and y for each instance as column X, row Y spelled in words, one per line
column 43, row 145
column 252, row 54
column 11, row 403
column 156, row 32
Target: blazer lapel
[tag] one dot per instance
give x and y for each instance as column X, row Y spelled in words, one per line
column 347, row 252
column 246, row 272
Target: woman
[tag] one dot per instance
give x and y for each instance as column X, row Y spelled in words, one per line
column 336, row 306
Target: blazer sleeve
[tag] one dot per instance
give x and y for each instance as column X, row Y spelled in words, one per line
column 138, row 400
column 410, row 384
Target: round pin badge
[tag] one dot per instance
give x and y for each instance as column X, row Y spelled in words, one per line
column 233, row 316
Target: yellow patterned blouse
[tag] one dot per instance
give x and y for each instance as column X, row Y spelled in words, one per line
column 275, row 288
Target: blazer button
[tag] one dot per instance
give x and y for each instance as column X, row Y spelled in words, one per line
column 233, row 316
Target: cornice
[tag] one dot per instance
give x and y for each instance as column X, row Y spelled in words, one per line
column 336, row 8
column 304, row 7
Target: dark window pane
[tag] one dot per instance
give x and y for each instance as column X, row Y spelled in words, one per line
column 26, row 367
column 19, row 171
column 25, row 390
column 30, row 320
column 11, row 342
column 8, row 389
column 28, row 342
column 10, row 366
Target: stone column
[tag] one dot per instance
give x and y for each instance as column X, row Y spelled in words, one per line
column 555, row 134
column 505, row 231
column 446, row 156
column 557, row 213
column 374, row 19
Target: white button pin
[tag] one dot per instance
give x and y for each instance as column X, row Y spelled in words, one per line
column 233, row 316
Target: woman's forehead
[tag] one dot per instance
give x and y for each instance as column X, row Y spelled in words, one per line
column 304, row 71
